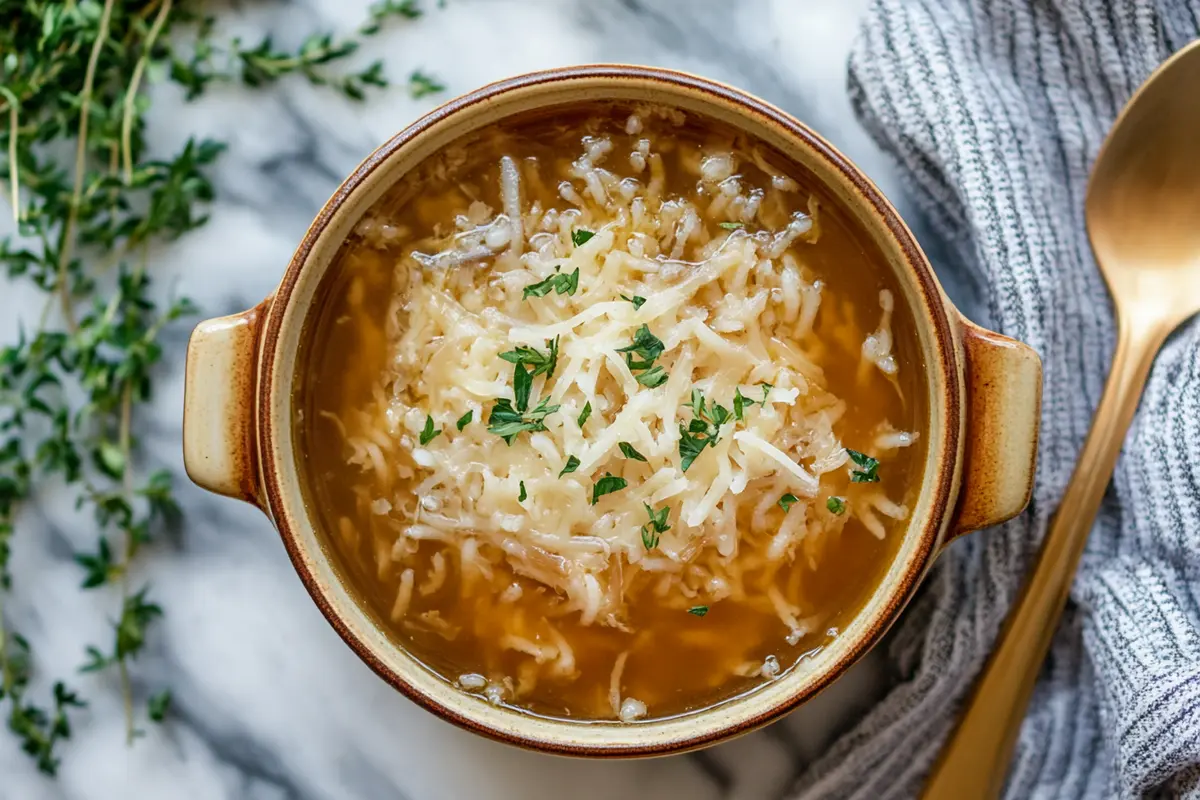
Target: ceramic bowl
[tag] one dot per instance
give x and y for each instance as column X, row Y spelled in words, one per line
column 981, row 428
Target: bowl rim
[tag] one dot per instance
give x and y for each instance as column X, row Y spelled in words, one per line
column 944, row 481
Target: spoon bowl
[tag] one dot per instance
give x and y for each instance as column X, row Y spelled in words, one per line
column 1143, row 219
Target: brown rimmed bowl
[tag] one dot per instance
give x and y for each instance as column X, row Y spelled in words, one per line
column 984, row 393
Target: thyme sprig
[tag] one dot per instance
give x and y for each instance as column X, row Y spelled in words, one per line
column 89, row 203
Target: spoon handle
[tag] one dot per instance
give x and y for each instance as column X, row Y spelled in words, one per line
column 975, row 760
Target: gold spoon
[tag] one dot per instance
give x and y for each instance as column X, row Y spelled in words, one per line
column 1143, row 218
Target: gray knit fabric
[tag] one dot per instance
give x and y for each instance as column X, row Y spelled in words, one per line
column 996, row 109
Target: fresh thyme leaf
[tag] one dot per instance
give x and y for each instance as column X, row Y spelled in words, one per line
column 572, row 465
column 583, row 415
column 465, row 420
column 630, row 452
column 698, row 611
column 652, row 531
column 766, row 387
column 652, row 377
column 422, row 84
column 100, row 567
column 522, row 385
column 522, row 496
column 638, row 302
column 836, row 505
column 580, row 236
column 868, row 471
column 428, row 434
column 787, row 501
column 607, row 485
column 158, row 705
column 720, row 414
column 731, row 226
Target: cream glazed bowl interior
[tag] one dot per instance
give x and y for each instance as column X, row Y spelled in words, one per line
column 981, row 427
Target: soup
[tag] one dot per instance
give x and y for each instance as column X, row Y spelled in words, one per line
column 611, row 414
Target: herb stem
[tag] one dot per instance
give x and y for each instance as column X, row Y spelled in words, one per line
column 135, row 84
column 14, row 168
column 68, row 231
column 124, row 442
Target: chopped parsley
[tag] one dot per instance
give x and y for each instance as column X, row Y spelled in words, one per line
column 429, row 434
column 583, row 415
column 739, row 404
column 607, row 485
column 581, row 236
column 787, row 501
column 506, row 422
column 868, row 468
column 698, row 611
column 558, row 282
column 645, row 345
column 630, row 452
column 465, row 419
column 653, row 377
column 703, row 430
column 522, row 386
column 766, row 387
column 653, row 530
column 542, row 363
column 731, row 226
column 638, row 302
column 521, row 497
column 836, row 505
column 572, row 465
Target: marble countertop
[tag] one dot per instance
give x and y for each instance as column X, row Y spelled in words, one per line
column 269, row 703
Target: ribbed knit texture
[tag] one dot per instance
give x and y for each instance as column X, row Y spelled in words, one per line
column 995, row 110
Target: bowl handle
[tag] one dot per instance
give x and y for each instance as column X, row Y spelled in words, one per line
column 220, row 451
column 1004, row 399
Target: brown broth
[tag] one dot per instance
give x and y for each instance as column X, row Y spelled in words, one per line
column 677, row 661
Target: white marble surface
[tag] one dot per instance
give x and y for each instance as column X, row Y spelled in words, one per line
column 269, row 703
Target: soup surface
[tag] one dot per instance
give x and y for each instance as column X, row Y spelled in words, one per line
column 611, row 414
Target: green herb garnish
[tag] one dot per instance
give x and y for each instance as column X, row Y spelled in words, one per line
column 583, row 415
column 607, row 485
column 428, row 434
column 868, row 471
column 703, row 430
column 836, row 505
column 465, row 420
column 638, row 302
column 542, row 363
column 522, row 386
column 739, row 404
column 421, row 84
column 652, row 531
column 646, row 345
column 698, row 611
column 652, row 377
column 787, row 500
column 506, row 422
column 766, row 387
column 572, row 465
column 558, row 282
column 521, row 497
column 630, row 452
column 731, row 226
column 580, row 236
